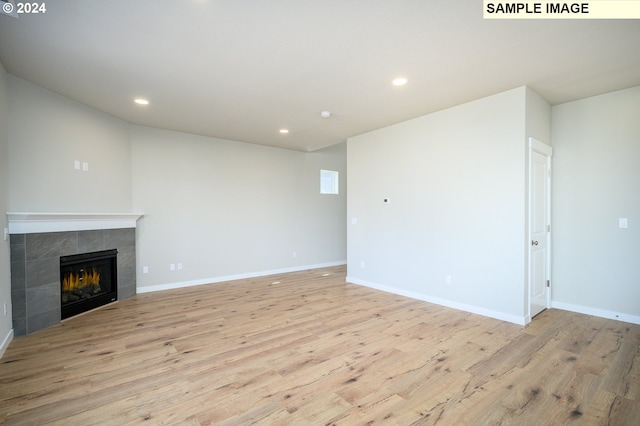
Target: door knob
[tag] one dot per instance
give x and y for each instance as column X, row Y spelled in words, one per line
column 534, row 243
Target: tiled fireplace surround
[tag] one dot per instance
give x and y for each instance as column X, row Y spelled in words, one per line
column 35, row 270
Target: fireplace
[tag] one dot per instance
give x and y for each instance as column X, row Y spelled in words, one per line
column 87, row 281
column 38, row 240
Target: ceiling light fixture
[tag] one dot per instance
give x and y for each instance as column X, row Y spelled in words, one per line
column 401, row 81
column 141, row 101
column 284, row 131
column 325, row 114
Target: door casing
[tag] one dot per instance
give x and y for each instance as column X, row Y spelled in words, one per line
column 535, row 257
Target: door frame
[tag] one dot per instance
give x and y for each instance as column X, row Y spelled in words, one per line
column 546, row 150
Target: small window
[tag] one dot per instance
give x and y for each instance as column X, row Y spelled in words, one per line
column 328, row 182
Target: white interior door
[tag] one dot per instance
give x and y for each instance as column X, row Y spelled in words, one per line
column 539, row 226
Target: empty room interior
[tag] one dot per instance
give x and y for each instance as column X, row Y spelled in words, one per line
column 318, row 212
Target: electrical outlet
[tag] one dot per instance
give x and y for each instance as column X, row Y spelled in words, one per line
column 294, row 254
column 172, row 267
column 179, row 266
column 145, row 269
column 447, row 279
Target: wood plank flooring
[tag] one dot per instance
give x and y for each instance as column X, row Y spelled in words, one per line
column 307, row 349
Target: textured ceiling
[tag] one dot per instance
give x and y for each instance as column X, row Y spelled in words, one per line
column 241, row 70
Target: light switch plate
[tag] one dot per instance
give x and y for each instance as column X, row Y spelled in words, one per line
column 623, row 223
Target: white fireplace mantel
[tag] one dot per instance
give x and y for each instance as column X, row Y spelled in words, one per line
column 31, row 223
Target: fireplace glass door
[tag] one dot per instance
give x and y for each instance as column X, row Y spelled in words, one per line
column 87, row 281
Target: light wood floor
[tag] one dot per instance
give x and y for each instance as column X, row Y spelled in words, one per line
column 312, row 350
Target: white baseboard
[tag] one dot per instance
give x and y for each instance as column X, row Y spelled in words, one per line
column 633, row 319
column 443, row 302
column 5, row 343
column 213, row 280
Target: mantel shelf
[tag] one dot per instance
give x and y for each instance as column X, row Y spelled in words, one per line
column 30, row 223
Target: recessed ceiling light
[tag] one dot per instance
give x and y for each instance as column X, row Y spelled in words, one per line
column 141, row 101
column 401, row 81
column 284, row 131
column 325, row 114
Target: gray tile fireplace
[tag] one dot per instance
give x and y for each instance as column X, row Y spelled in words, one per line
column 35, row 270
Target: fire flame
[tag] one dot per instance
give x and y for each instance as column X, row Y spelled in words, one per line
column 80, row 280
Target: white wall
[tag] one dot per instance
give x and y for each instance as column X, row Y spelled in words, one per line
column 6, row 326
column 596, row 181
column 538, row 117
column 47, row 133
column 225, row 209
column 456, row 184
